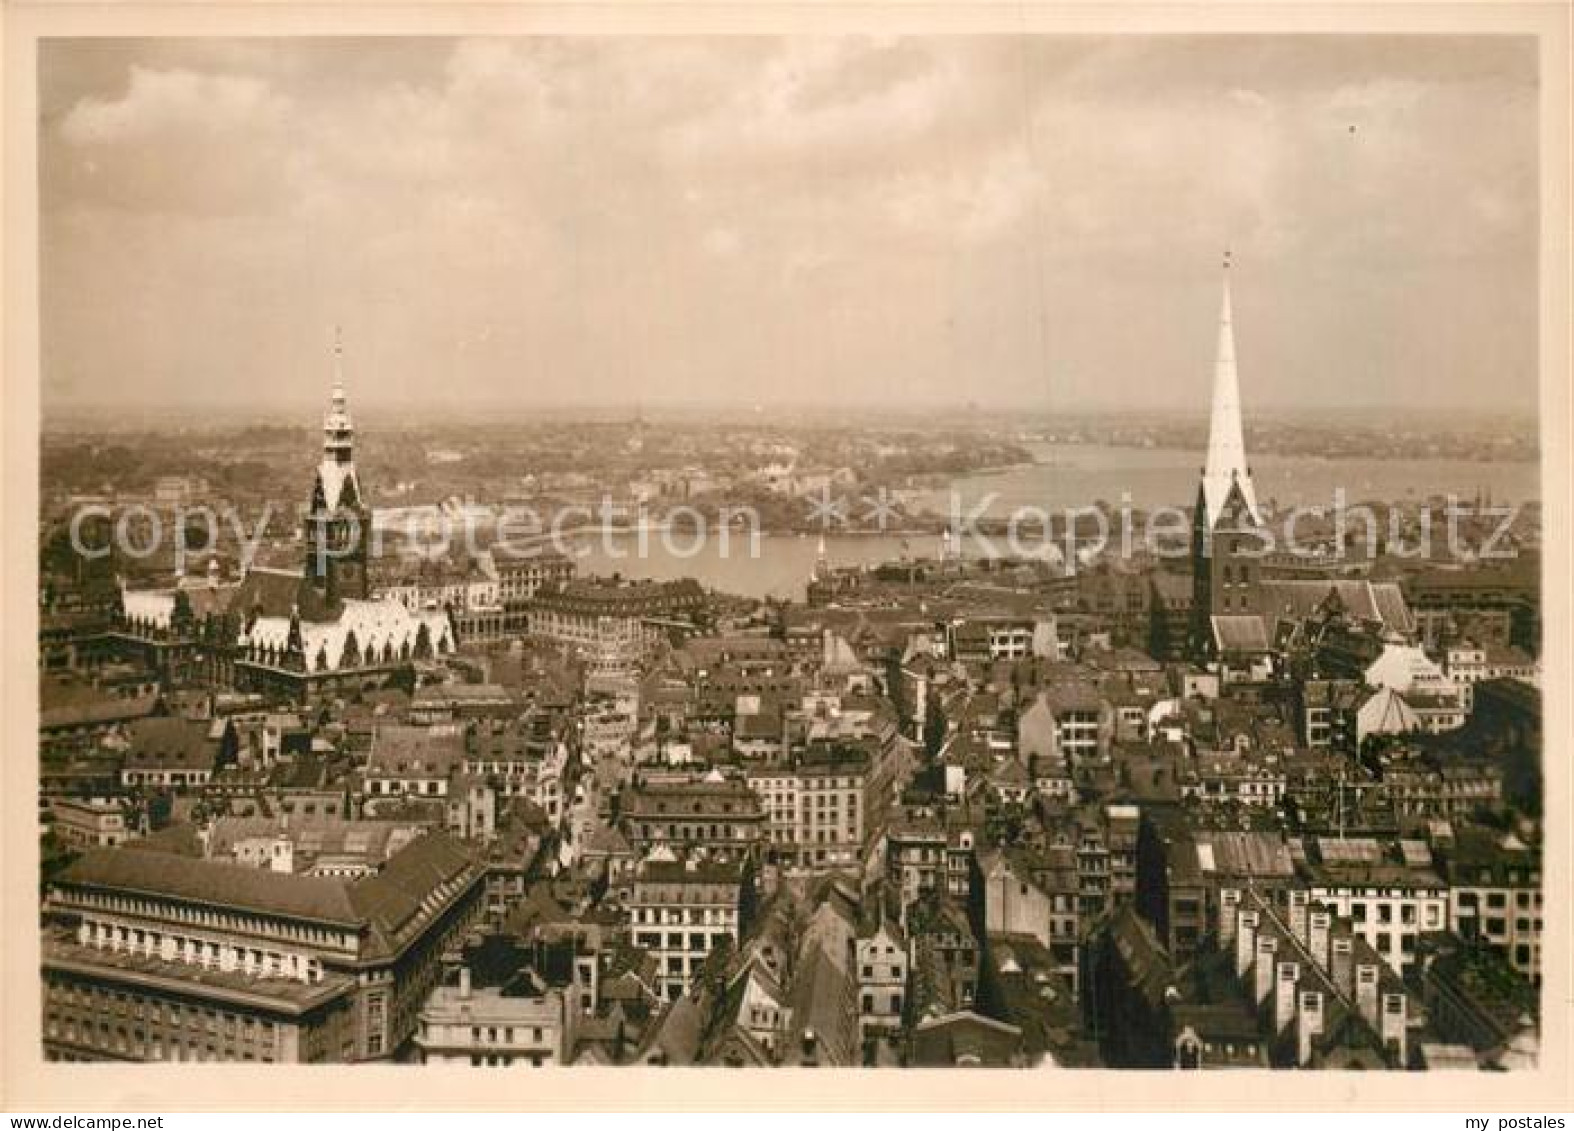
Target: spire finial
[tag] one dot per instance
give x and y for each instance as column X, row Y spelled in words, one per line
column 338, row 360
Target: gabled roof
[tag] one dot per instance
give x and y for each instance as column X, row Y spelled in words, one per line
column 1386, row 712
column 676, row 1033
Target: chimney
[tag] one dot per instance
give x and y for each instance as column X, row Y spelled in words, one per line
column 1393, row 1025
column 1341, row 964
column 1245, row 941
column 1229, row 902
column 1308, row 1024
column 1366, row 991
column 1318, row 925
column 1266, row 946
column 1287, row 976
column 464, row 982
column 1298, row 904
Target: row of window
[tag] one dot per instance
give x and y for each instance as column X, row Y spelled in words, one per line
column 199, row 952
column 134, row 1042
column 208, row 916
column 676, row 940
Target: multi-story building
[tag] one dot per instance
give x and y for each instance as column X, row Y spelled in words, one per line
column 315, row 846
column 521, row 574
column 1035, row 895
column 413, row 761
column 176, row 753
column 1181, row 870
column 925, row 853
column 1070, row 723
column 945, row 955
column 1328, row 710
column 1241, row 779
column 722, row 816
column 609, row 724
column 586, row 614
column 90, row 822
column 999, row 637
column 679, row 910
column 524, row 757
column 490, row 1027
column 822, row 807
column 1491, row 606
column 1494, row 895
column 1454, row 791
column 154, row 956
column 461, row 702
column 1390, row 891
column 880, row 953
column 1280, row 986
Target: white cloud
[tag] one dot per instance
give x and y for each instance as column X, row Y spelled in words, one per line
column 163, row 104
column 721, row 202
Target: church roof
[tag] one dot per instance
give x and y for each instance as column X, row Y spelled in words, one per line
column 1240, row 633
column 1382, row 602
column 269, row 592
column 384, row 625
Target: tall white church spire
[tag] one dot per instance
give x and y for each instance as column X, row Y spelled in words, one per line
column 1226, row 466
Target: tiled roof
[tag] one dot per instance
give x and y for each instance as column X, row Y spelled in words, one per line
column 274, row 592
column 172, row 743
column 220, row 885
column 105, row 710
column 392, row 898
column 389, row 902
column 414, row 751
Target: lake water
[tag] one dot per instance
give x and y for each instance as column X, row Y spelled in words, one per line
column 780, row 565
column 1074, row 475
column 1067, row 476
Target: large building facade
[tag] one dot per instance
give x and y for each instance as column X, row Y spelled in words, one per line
column 153, row 956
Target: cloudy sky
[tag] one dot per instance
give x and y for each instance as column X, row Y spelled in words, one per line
column 818, row 221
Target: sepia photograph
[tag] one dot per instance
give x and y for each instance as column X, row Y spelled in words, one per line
column 832, row 549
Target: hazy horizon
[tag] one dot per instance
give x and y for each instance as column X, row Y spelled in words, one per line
column 563, row 225
column 307, row 417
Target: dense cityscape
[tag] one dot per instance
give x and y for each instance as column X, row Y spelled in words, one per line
column 335, row 788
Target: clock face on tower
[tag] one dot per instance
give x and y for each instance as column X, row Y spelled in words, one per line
column 351, row 579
